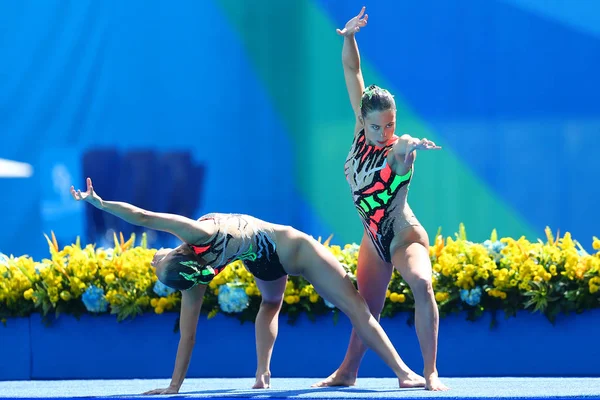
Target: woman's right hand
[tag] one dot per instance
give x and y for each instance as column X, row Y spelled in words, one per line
column 169, row 390
column 89, row 195
column 354, row 24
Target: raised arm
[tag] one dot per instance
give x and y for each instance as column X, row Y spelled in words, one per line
column 191, row 304
column 188, row 230
column 351, row 61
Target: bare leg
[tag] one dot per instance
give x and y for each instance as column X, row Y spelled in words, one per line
column 373, row 277
column 267, row 326
column 330, row 280
column 414, row 265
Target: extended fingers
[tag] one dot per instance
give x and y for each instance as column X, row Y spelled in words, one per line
column 362, row 11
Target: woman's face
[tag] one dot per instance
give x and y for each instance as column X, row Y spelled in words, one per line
column 380, row 126
column 164, row 257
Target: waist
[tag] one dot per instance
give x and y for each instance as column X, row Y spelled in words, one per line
column 371, row 209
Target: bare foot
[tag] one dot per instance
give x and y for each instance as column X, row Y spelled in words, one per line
column 337, row 379
column 434, row 383
column 263, row 381
column 412, row 380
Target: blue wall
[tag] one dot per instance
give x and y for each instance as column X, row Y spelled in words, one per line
column 467, row 349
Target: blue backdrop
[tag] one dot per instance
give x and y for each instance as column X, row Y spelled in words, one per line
column 509, row 87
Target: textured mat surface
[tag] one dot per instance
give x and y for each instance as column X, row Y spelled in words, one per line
column 299, row 388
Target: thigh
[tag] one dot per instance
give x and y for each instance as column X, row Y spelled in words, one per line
column 272, row 291
column 372, row 275
column 413, row 263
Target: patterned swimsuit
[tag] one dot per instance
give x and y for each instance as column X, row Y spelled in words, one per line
column 240, row 237
column 379, row 194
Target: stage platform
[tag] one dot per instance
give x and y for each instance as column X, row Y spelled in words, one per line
column 299, row 388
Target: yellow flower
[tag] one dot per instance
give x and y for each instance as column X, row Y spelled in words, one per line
column 397, row 297
column 289, row 288
column 219, row 279
column 525, row 286
column 28, row 294
column 110, row 278
column 547, row 276
column 594, row 284
column 549, row 235
column 66, row 296
column 125, row 273
column 336, row 250
column 497, row 293
column 446, row 271
column 142, row 301
column 441, row 296
column 162, row 302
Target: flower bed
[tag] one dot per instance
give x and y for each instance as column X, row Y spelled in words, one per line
column 507, row 275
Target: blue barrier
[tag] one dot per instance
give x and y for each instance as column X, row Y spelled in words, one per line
column 15, row 350
column 101, row 348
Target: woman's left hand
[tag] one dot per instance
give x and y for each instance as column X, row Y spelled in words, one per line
column 419, row 144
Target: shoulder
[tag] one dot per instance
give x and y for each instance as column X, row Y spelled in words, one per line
column 207, row 216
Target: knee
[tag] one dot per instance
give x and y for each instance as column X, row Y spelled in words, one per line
column 271, row 304
column 359, row 312
column 422, row 287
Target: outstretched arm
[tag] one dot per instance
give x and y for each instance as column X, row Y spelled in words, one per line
column 191, row 304
column 406, row 146
column 186, row 229
column 351, row 60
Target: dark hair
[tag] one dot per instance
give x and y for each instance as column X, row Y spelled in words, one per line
column 183, row 272
column 375, row 98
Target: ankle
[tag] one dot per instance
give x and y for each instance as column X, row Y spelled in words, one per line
column 347, row 372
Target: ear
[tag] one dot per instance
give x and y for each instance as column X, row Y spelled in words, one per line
column 361, row 120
